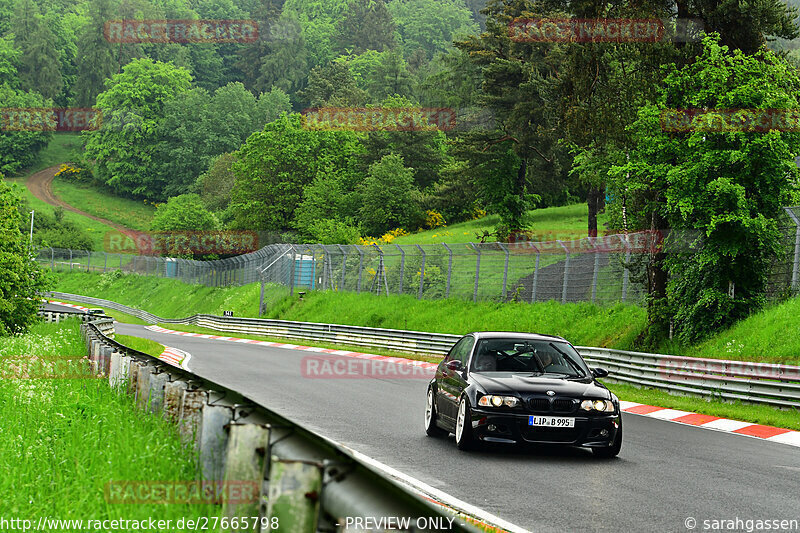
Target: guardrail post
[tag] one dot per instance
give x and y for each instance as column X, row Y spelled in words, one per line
column 173, row 397
column 421, row 272
column 190, row 415
column 158, row 381
column 245, row 463
column 213, row 439
column 505, row 270
column 294, row 488
column 535, row 273
column 596, row 268
column 360, row 267
column 449, row 270
column 143, row 386
column 477, row 272
column 402, row 266
column 566, row 274
column 626, row 272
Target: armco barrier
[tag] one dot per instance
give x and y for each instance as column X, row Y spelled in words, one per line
column 762, row 383
column 303, row 480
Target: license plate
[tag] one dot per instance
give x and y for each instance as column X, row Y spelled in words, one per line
column 551, row 421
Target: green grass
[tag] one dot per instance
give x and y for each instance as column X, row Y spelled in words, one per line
column 64, row 440
column 550, row 223
column 143, row 345
column 100, row 202
column 582, row 323
column 758, row 414
column 62, row 148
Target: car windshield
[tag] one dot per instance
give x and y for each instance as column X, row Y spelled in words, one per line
column 537, row 357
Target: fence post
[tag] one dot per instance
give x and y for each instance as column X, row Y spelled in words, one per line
column 360, row 268
column 120, row 262
column 70, row 259
column 291, row 271
column 796, row 263
column 449, row 270
column 344, row 263
column 105, row 262
column 421, row 272
column 402, row 266
column 88, row 260
column 477, row 272
column 596, row 267
column 52, row 259
column 535, row 273
column 505, row 270
column 626, row 272
column 566, row 274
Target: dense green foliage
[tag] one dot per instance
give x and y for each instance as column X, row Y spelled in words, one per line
column 21, row 278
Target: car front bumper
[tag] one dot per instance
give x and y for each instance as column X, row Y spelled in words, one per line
column 594, row 431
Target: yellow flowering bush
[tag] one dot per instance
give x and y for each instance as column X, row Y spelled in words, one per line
column 387, row 238
column 433, row 219
column 73, row 173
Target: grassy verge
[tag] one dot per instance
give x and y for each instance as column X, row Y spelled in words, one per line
column 62, row 147
column 143, row 345
column 98, row 201
column 758, row 414
column 583, row 323
column 66, row 439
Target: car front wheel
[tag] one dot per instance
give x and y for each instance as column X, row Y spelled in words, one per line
column 430, row 417
column 464, row 438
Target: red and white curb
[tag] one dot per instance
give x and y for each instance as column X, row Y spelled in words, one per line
column 78, row 307
column 176, row 357
column 344, row 353
column 748, row 429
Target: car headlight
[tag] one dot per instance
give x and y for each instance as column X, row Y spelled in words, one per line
column 491, row 400
column 604, row 406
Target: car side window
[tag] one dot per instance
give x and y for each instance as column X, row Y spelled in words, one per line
column 461, row 350
column 464, row 350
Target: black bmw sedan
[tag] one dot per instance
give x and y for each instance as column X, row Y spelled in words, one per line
column 522, row 388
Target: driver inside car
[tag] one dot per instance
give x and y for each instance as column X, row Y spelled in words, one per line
column 486, row 361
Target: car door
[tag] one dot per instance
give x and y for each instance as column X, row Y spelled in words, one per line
column 453, row 382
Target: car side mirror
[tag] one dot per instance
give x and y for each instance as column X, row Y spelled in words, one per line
column 454, row 365
column 599, row 372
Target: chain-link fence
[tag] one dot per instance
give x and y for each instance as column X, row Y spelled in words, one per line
column 606, row 269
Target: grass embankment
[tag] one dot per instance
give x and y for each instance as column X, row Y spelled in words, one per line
column 143, row 345
column 66, row 439
column 62, row 147
column 100, row 202
column 565, row 223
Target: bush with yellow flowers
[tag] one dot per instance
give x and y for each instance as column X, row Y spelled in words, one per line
column 73, row 173
column 433, row 219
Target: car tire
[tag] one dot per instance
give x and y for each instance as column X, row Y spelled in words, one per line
column 431, row 429
column 610, row 451
column 463, row 430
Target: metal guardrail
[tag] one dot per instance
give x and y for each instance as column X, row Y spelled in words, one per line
column 762, row 383
column 310, row 482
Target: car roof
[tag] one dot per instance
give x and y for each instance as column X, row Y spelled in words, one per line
column 515, row 335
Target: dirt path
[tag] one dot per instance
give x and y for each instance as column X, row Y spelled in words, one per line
column 39, row 184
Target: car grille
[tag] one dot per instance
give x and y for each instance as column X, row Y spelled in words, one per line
column 563, row 406
column 539, row 404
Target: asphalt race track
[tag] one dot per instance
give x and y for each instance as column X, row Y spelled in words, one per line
column 666, row 473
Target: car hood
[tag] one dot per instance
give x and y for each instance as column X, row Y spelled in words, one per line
column 502, row 382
